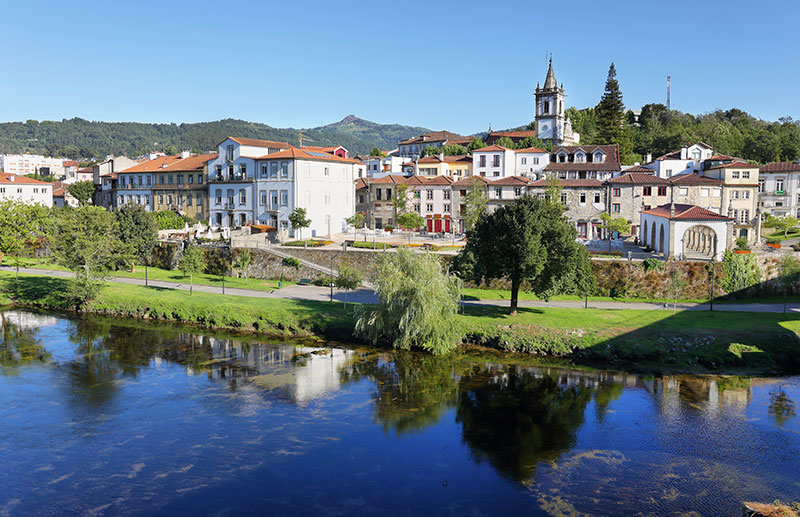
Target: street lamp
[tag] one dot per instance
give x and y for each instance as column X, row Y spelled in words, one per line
column 330, row 280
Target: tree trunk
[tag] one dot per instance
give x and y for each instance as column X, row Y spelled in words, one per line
column 514, row 296
column 245, row 277
column 191, row 282
column 133, row 267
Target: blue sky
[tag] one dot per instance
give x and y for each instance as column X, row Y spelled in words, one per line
column 457, row 66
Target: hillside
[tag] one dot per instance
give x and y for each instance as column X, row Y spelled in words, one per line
column 79, row 138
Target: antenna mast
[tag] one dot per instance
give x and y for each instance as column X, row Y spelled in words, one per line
column 669, row 81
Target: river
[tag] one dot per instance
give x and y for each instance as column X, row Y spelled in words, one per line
column 108, row 417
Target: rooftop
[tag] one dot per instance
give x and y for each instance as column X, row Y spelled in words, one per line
column 686, row 212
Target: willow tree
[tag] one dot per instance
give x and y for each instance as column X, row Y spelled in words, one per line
column 417, row 304
column 528, row 240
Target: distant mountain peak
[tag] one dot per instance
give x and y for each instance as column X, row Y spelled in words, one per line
column 351, row 119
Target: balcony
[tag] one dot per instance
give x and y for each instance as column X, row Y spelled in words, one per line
column 229, row 177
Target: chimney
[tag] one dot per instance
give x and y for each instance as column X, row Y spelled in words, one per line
column 684, row 153
column 12, row 177
column 185, row 154
column 648, row 158
column 441, row 156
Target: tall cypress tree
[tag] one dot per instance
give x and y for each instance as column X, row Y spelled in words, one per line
column 610, row 111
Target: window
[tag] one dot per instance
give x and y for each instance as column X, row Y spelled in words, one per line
column 696, row 155
column 717, row 192
column 416, row 207
column 230, row 171
column 615, row 192
column 447, row 194
column 140, row 181
column 243, row 169
column 188, row 200
column 273, row 198
column 264, row 198
column 669, row 173
column 428, row 194
column 760, row 186
column 746, row 175
column 535, row 160
column 599, row 157
column 744, row 216
column 180, row 179
column 148, row 180
column 169, row 199
column 662, row 191
column 161, row 199
column 447, row 208
column 191, row 178
column 615, row 208
column 517, row 191
column 284, row 169
column 217, row 198
column 734, row 194
column 327, row 171
column 361, row 198
column 524, row 160
column 242, row 197
column 683, row 191
column 169, row 179
column 580, row 157
column 562, row 157
column 563, row 198
column 735, row 175
column 496, row 173
column 496, row 160
column 284, row 198
column 327, row 198
column 264, row 171
column 704, row 192
column 498, row 192
column 779, row 186
column 388, row 194
column 647, row 191
column 597, row 198
column 745, row 194
column 429, row 207
column 482, row 160
column 582, row 197
column 219, row 171
column 229, row 152
column 273, row 170
column 199, row 178
column 546, row 107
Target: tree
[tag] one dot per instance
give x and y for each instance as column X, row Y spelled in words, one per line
column 169, row 220
column 376, row 152
column 611, row 128
column 788, row 274
column 193, row 262
column 21, row 225
column 553, row 190
column 477, row 143
column 400, row 200
column 505, row 141
column 430, row 150
column 243, row 258
column 454, row 150
column 528, row 240
column 613, row 225
column 356, row 221
column 137, row 231
column 475, row 202
column 82, row 191
column 410, row 221
column 299, row 220
column 785, row 223
column 349, row 279
column 86, row 240
column 417, row 304
column 171, row 150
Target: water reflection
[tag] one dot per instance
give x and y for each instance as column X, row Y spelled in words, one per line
column 173, row 408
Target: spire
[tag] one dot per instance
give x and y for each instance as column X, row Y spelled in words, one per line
column 550, row 81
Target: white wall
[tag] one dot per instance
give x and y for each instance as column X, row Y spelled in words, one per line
column 32, row 193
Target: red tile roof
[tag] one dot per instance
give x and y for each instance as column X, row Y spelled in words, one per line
column 611, row 162
column 512, row 134
column 686, row 212
column 192, row 163
column 781, row 167
column 8, row 178
column 445, row 181
column 569, row 183
column 530, row 150
column 59, row 189
column 491, row 148
column 638, row 178
column 153, row 165
column 361, row 183
column 295, row 153
column 253, row 142
column 465, row 182
column 435, row 136
column 512, row 181
column 694, row 178
column 639, row 168
column 734, row 165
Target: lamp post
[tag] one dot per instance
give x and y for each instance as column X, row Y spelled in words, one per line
column 330, row 280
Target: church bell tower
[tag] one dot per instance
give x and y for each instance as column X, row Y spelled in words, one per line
column 551, row 124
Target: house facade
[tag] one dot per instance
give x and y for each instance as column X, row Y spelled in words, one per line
column 683, row 161
column 583, row 200
column 413, row 147
column 779, row 188
column 599, row 162
column 739, row 197
column 493, row 161
column 680, row 232
column 27, row 190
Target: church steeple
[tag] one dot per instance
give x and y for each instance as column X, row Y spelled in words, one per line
column 550, row 81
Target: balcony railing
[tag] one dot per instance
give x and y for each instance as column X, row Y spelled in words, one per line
column 229, row 177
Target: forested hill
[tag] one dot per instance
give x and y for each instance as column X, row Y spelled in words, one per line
column 732, row 132
column 81, row 139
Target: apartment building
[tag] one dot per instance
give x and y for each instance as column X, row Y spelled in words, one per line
column 779, row 188
column 31, row 164
column 27, row 190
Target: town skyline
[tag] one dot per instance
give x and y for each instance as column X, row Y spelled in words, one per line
column 490, row 73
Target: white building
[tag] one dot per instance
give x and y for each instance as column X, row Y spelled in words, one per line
column 27, row 190
column 493, row 161
column 550, row 117
column 380, row 166
column 779, row 188
column 31, row 164
column 685, row 231
column 232, row 180
column 413, row 147
column 530, row 162
column 683, row 161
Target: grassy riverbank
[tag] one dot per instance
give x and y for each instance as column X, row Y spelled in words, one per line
column 648, row 340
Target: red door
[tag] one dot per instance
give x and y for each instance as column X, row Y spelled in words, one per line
column 447, row 225
column 430, row 225
column 437, row 225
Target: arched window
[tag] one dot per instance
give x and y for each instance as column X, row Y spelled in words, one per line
column 598, row 157
column 546, row 107
column 580, row 157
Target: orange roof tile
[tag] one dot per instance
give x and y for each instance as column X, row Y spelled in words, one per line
column 7, row 178
column 295, row 153
column 253, row 142
column 686, row 212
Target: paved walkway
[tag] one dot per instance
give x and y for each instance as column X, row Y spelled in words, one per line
column 314, row 293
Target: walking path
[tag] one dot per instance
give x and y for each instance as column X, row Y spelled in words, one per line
column 314, row 293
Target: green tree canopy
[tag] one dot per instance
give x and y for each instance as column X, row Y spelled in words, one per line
column 376, row 152
column 137, row 230
column 477, row 143
column 298, row 219
column 82, row 191
column 242, row 261
column 193, row 262
column 783, row 223
column 526, row 240
column 475, row 202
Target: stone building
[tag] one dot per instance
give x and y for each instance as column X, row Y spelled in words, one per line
column 779, row 188
column 680, row 231
column 584, row 200
column 584, row 162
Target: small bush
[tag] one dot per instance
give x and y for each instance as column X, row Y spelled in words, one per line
column 291, row 262
column 388, row 228
column 773, row 240
column 651, row 264
column 371, row 246
column 741, row 243
column 323, row 281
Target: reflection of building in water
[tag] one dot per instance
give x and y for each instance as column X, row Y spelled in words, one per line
column 711, row 394
column 300, row 373
column 28, row 320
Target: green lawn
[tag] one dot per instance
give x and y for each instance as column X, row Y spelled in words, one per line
column 793, row 234
column 499, row 294
column 154, row 273
column 686, row 341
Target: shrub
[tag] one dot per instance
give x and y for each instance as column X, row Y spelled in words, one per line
column 417, row 304
column 371, row 246
column 169, row 220
column 741, row 243
column 291, row 262
column 309, row 243
column 651, row 264
column 388, row 228
column 773, row 240
column 323, row 281
column 741, row 272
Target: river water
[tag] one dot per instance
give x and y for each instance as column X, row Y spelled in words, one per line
column 105, row 417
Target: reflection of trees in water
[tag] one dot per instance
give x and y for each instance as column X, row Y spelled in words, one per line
column 19, row 347
column 514, row 419
column 781, row 407
column 411, row 390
